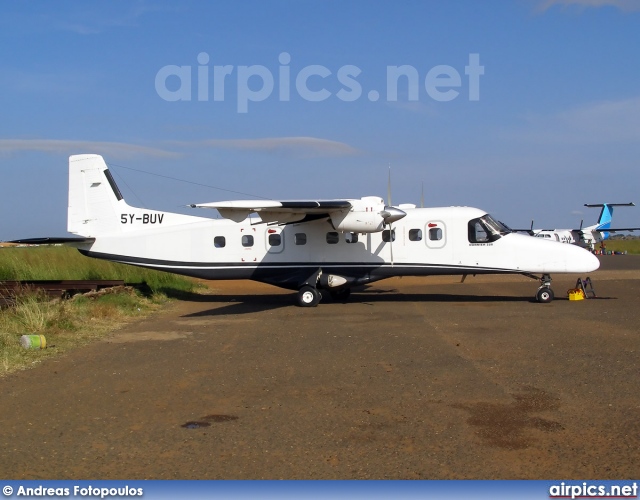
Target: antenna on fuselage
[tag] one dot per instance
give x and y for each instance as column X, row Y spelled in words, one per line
column 389, row 205
column 389, row 187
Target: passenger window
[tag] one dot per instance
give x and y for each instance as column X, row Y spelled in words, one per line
column 275, row 240
column 219, row 242
column 351, row 237
column 247, row 240
column 435, row 234
column 300, row 238
column 415, row 234
column 333, row 238
column 388, row 236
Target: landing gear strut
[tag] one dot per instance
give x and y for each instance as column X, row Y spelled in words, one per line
column 336, row 286
column 308, row 293
column 544, row 295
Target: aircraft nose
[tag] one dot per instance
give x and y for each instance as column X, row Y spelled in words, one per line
column 543, row 256
column 580, row 260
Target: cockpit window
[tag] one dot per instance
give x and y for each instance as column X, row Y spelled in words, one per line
column 486, row 229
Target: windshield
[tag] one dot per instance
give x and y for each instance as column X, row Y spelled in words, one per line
column 495, row 225
column 486, row 229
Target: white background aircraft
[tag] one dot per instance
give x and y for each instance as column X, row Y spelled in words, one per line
column 586, row 237
column 308, row 246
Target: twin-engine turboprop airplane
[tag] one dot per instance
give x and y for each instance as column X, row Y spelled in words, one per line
column 329, row 245
column 589, row 236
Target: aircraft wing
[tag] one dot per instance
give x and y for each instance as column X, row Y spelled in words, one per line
column 282, row 212
column 582, row 230
column 607, row 230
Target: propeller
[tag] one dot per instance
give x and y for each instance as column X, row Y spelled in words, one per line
column 422, row 196
column 390, row 214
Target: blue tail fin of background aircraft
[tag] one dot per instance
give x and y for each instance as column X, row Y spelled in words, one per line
column 606, row 214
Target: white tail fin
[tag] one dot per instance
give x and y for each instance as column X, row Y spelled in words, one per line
column 95, row 202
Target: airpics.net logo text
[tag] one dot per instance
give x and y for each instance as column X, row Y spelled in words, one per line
column 257, row 83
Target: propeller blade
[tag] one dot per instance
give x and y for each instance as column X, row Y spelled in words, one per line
column 391, row 238
column 422, row 196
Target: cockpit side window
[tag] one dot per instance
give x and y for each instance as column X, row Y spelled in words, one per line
column 486, row 229
column 477, row 232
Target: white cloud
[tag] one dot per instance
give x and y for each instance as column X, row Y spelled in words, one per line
column 113, row 149
column 599, row 122
column 624, row 5
column 298, row 146
column 295, row 146
column 92, row 21
column 79, row 29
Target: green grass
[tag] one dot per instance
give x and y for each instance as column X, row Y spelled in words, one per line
column 65, row 324
column 65, row 263
column 630, row 246
column 70, row 323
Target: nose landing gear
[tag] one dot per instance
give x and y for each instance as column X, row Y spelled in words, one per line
column 544, row 295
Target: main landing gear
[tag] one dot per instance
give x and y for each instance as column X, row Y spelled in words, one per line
column 544, row 295
column 308, row 296
column 336, row 286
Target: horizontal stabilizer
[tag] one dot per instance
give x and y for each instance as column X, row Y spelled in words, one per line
column 591, row 205
column 51, row 241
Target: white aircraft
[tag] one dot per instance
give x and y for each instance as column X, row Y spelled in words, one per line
column 329, row 245
column 586, row 237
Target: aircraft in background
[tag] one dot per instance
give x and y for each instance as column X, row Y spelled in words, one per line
column 586, row 237
column 309, row 246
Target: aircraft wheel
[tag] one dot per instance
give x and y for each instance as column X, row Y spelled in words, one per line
column 544, row 295
column 308, row 296
column 341, row 295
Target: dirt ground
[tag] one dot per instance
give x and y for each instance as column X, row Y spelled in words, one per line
column 412, row 378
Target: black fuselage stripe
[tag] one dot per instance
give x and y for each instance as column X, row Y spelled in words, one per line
column 287, row 265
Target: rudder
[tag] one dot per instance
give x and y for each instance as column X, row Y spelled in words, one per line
column 95, row 201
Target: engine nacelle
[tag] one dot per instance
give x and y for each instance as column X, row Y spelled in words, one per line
column 358, row 222
column 367, row 215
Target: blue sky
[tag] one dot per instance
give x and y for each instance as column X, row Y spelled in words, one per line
column 555, row 123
